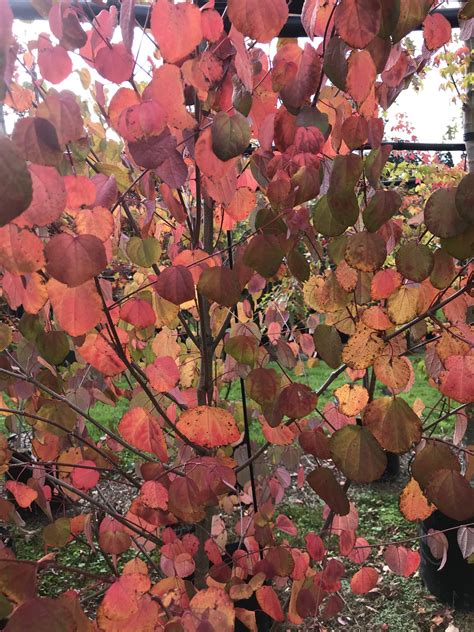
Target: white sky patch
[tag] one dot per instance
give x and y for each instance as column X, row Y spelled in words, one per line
column 430, row 111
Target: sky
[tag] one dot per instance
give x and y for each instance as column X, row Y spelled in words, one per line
column 429, row 111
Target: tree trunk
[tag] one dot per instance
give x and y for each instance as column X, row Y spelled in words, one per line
column 468, row 112
column 468, row 118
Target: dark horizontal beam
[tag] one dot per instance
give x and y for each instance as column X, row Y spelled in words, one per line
column 407, row 146
column 24, row 10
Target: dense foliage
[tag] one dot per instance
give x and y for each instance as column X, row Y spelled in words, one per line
column 148, row 221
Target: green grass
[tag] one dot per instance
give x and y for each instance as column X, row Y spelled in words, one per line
column 108, row 416
column 317, row 375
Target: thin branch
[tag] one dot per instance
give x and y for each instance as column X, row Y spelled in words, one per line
column 86, row 442
column 139, row 376
column 79, row 411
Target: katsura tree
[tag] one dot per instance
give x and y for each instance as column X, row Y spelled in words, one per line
column 145, row 219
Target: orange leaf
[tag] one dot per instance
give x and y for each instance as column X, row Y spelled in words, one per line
column 97, row 221
column 176, row 29
column 384, row 283
column 214, row 606
column 23, row 494
column 76, row 309
column 282, row 435
column 376, row 318
column 80, row 191
column 208, row 427
column 393, row 371
column 143, row 431
column 99, row 352
column 413, row 503
column 364, row 580
column 352, row 399
column 21, row 251
column 361, row 75
column 269, row 603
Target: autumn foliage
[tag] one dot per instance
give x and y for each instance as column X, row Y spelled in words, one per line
column 146, row 215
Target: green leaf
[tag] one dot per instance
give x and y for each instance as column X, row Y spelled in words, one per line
column 144, row 252
column 244, row 349
column 230, row 135
column 16, row 188
column 357, row 454
column 57, row 534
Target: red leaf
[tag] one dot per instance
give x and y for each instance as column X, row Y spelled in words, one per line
column 54, row 62
column 175, row 285
column 85, row 478
column 261, row 20
column 269, row 603
column 80, row 191
column 297, row 400
column 360, row 552
column 401, row 560
column 176, row 29
column 315, row 547
column 332, row 573
column 438, row 545
column 139, row 313
column 23, row 494
column 148, row 118
column 364, row 580
column 436, row 31
column 37, row 140
column 286, row 525
column 114, row 62
column 347, row 540
column 41, row 614
column 73, row 260
column 458, row 381
column 163, row 374
column 127, row 22
column 358, row 21
column 143, row 431
column 154, row 495
column 49, row 197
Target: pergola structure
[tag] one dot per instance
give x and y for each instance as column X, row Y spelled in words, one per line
column 25, row 10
